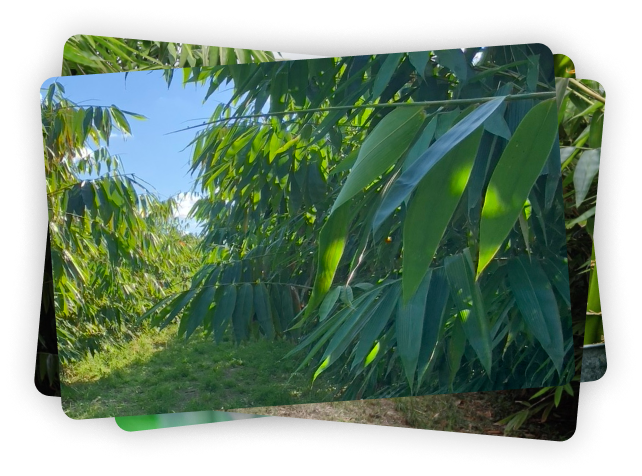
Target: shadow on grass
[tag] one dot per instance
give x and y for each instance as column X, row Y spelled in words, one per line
column 159, row 373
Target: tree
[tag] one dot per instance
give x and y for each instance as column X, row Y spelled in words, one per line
column 344, row 163
column 72, row 144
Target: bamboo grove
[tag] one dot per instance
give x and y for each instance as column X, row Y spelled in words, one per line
column 352, row 205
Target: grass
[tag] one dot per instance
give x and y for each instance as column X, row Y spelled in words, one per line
column 159, row 373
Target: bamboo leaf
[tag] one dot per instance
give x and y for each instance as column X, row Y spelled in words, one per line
column 263, row 310
column 385, row 73
column 408, row 180
column 328, row 303
column 537, row 305
column 409, row 327
column 419, row 59
column 199, row 308
column 434, row 316
column 332, row 240
column 456, row 347
column 242, row 312
column 466, row 294
column 431, row 207
column 224, row 310
column 514, row 176
column 382, row 148
column 585, row 171
column 375, row 326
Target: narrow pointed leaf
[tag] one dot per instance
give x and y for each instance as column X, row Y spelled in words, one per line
column 537, row 304
column 585, row 170
column 431, row 208
column 328, row 303
column 409, row 327
column 224, row 310
column 263, row 310
column 377, row 323
column 198, row 309
column 456, row 347
column 243, row 312
column 514, row 176
column 382, row 148
column 467, row 296
column 408, row 180
column 385, row 73
column 332, row 240
column 436, row 306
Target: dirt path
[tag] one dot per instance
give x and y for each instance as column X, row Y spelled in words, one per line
column 373, row 412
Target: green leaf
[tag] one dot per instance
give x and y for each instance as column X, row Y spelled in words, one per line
column 456, row 347
column 585, row 171
column 242, row 312
column 224, row 310
column 419, row 59
column 537, row 304
column 431, row 208
column 121, row 120
column 595, row 133
column 198, row 310
column 382, row 148
column 263, row 310
column 466, row 294
column 455, row 61
column 514, row 176
column 436, row 306
column 332, row 239
column 408, row 180
column 357, row 319
column 409, row 328
column 375, row 325
column 385, row 73
column 328, row 303
column 177, row 305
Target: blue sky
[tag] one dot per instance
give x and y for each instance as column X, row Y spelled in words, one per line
column 149, row 153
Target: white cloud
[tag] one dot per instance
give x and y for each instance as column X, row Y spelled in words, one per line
column 185, row 202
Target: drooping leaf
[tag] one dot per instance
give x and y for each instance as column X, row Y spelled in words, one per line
column 382, row 148
column 332, row 240
column 455, row 61
column 408, row 180
column 537, row 304
column 375, row 326
column 328, row 303
column 514, row 176
column 198, row 310
column 409, row 328
column 456, row 347
column 243, row 312
column 263, row 309
column 465, row 292
column 419, row 59
column 431, row 207
column 585, row 170
column 224, row 310
column 436, row 306
column 385, row 73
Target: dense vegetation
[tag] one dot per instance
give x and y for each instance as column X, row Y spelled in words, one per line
column 294, row 169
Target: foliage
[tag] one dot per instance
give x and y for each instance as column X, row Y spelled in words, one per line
column 107, row 233
column 306, row 176
column 73, row 127
column 581, row 118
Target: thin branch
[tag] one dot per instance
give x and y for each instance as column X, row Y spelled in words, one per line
column 587, row 90
column 443, row 103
